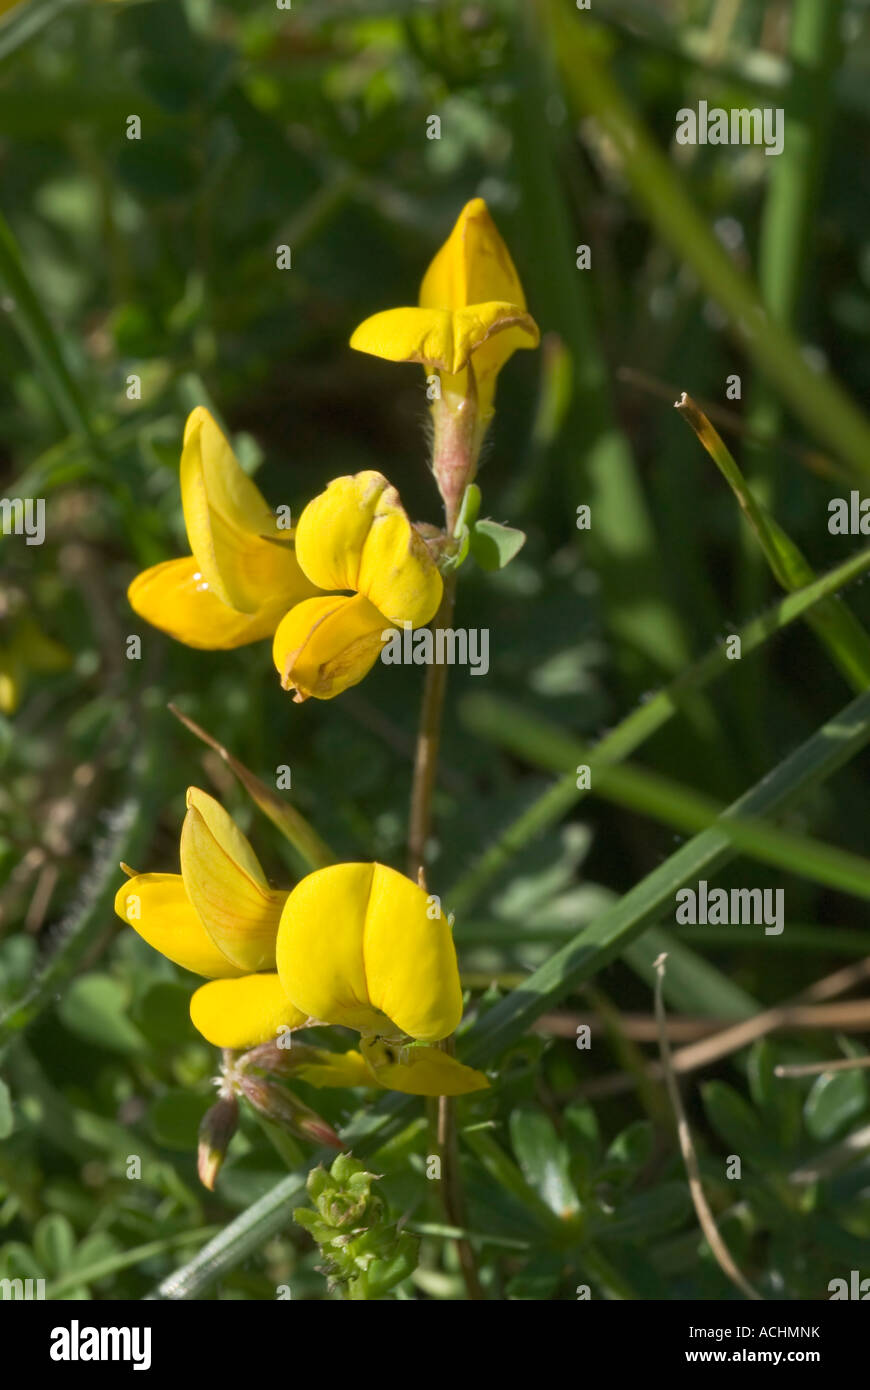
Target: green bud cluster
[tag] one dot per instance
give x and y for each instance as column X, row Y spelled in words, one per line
column 364, row 1253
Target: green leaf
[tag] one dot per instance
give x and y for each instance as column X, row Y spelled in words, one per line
column 630, row 1150
column 582, row 1138
column 544, row 1161
column 647, row 1215
column 779, row 1103
column 735, row 1121
column 468, row 511
column 836, row 1099
column 54, row 1243
column 462, row 530
column 95, row 1008
column 494, row 546
column 18, row 1261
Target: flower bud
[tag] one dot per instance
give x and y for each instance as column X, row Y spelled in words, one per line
column 217, row 1127
column 280, row 1107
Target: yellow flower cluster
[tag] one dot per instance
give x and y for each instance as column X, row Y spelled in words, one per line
column 356, row 945
column 246, row 579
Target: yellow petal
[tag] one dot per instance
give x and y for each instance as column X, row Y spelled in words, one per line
column 227, row 517
column 175, row 597
column 360, row 945
column 325, row 645
column 420, row 1071
column 158, row 908
column 472, row 266
column 226, row 885
column 243, row 1012
column 442, row 338
column 334, row 1069
column 356, row 535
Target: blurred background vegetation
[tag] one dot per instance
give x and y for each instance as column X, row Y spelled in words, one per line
column 156, row 258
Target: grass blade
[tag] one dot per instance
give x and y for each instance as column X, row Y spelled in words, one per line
column 638, row 726
column 310, row 851
column 665, row 800
column 816, row 399
column 810, row 764
column 836, row 626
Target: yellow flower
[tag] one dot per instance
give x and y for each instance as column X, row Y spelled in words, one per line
column 325, row 645
column 218, row 918
column 472, row 312
column 242, row 575
column 362, row 946
column 226, row 885
column 355, row 535
column 355, row 944
column 418, row 1071
column 243, row 1012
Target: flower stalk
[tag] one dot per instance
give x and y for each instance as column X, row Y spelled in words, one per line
column 425, row 773
column 457, row 439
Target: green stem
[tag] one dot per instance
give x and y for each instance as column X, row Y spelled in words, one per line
column 425, row 769
column 428, row 742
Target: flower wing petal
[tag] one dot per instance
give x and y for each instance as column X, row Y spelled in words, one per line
column 227, row 518
column 226, row 885
column 243, row 1012
column 175, row 597
column 325, row 645
column 158, row 908
column 441, row 338
column 334, row 1069
column 420, row 1071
